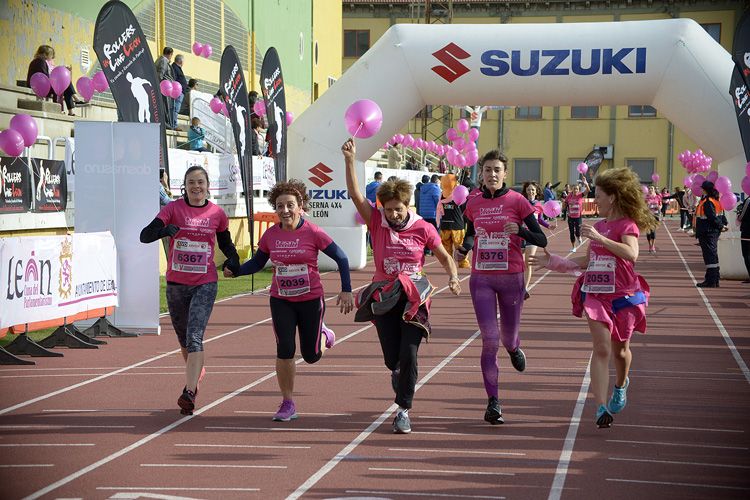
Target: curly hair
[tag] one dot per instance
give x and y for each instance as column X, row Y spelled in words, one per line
column 398, row 189
column 294, row 187
column 625, row 186
column 531, row 183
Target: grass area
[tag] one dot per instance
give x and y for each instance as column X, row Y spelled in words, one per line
column 228, row 287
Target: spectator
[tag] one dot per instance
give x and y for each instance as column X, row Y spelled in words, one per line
column 165, row 195
column 743, row 217
column 429, row 197
column 197, row 136
column 394, row 157
column 44, row 62
column 708, row 227
column 191, row 85
column 372, row 188
column 259, row 143
column 417, row 191
column 563, row 197
column 252, row 98
column 164, row 72
column 549, row 191
column 179, row 76
column 411, row 164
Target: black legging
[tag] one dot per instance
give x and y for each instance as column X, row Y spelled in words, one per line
column 574, row 226
column 651, row 235
column 306, row 315
column 684, row 218
column 745, row 245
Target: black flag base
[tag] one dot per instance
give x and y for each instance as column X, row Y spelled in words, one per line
column 7, row 358
column 22, row 345
column 103, row 328
column 68, row 336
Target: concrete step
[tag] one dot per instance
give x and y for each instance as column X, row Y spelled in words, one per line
column 37, row 105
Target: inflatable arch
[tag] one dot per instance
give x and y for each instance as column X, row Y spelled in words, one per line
column 672, row 64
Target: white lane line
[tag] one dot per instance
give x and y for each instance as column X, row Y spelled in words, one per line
column 675, row 462
column 15, row 445
column 413, row 494
column 570, row 439
column 105, row 410
column 692, row 445
column 689, row 485
column 279, row 429
column 328, row 467
column 446, row 418
column 730, row 343
column 468, row 452
column 441, row 471
column 169, row 488
column 435, row 433
column 301, row 413
column 218, row 466
column 662, row 427
column 273, row 447
column 51, row 426
column 24, row 466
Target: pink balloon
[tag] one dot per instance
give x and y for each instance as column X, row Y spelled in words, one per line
column 655, row 178
column 100, row 81
column 11, row 142
column 215, row 105
column 26, row 126
column 59, row 78
column 224, row 111
column 472, row 157
column 408, row 140
column 462, row 125
column 399, row 137
column 207, row 51
column 85, row 87
column 746, row 185
column 723, row 184
column 176, row 89
column 687, row 181
column 451, row 134
column 747, row 169
column 644, row 189
column 260, row 108
column 551, row 208
column 289, row 118
column 166, row 87
column 461, row 161
column 363, row 118
column 712, row 176
column 197, row 48
column 473, row 134
column 582, row 168
column 40, row 84
column 460, row 194
column 728, row 201
column 459, row 143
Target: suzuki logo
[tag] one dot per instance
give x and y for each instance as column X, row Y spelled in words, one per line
column 319, row 177
column 449, row 55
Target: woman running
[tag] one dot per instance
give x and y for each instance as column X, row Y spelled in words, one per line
column 194, row 224
column 654, row 203
column 574, row 206
column 530, row 190
column 609, row 291
column 398, row 298
column 296, row 291
column 499, row 219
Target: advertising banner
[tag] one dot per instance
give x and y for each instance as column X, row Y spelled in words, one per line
column 126, row 60
column 272, row 86
column 50, row 185
column 741, row 98
column 52, row 277
column 223, row 171
column 15, row 185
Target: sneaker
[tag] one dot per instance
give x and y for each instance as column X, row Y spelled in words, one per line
column 526, row 295
column 603, row 418
column 287, row 411
column 395, row 374
column 574, row 250
column 330, row 336
column 706, row 284
column 619, row 398
column 518, row 359
column 186, row 401
column 401, row 424
column 494, row 414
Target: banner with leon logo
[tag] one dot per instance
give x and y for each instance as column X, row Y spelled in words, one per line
column 50, row 277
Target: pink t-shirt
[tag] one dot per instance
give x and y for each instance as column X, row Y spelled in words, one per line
column 400, row 251
column 575, row 203
column 294, row 255
column 654, row 202
column 611, row 275
column 494, row 249
column 191, row 250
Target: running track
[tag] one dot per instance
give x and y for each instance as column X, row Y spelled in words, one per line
column 104, row 424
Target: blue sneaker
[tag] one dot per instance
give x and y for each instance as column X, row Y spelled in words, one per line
column 401, row 424
column 619, row 398
column 603, row 417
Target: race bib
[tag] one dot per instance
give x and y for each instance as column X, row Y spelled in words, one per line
column 574, row 210
column 190, row 256
column 292, row 280
column 600, row 276
column 492, row 254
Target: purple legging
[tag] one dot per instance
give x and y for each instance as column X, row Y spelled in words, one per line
column 487, row 291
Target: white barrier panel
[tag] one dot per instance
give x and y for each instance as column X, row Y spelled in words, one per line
column 223, row 171
column 673, row 64
column 51, row 277
column 117, row 190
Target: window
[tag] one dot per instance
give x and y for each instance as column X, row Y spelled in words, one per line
column 643, row 167
column 529, row 113
column 573, row 175
column 584, row 112
column 713, row 29
column 421, row 113
column 526, row 170
column 356, row 42
column 641, row 111
column 331, row 81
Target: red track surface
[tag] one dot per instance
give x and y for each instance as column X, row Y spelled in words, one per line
column 104, row 424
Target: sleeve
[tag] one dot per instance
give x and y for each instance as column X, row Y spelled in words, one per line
column 710, row 212
column 532, row 233
column 375, row 221
column 165, row 214
column 524, row 207
column 338, row 255
column 468, row 242
column 263, row 244
column 223, row 221
column 152, row 232
column 226, row 245
column 630, row 229
column 322, row 240
column 432, row 237
column 253, row 265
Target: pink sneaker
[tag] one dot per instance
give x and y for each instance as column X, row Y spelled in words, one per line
column 287, row 411
column 330, row 336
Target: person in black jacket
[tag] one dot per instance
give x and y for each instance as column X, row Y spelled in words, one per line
column 708, row 227
column 743, row 216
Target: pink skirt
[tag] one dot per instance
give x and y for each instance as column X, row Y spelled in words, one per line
column 621, row 324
